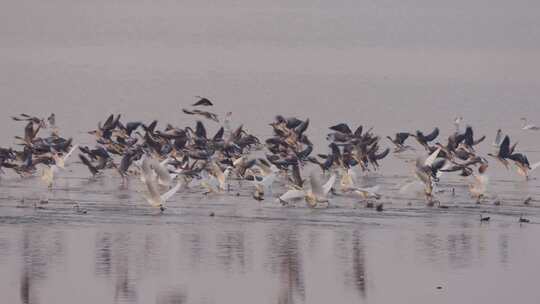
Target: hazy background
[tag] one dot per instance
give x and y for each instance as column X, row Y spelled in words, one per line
column 391, row 64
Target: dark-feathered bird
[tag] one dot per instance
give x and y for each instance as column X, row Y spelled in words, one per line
column 203, row 101
column 204, row 114
column 399, row 141
column 425, row 139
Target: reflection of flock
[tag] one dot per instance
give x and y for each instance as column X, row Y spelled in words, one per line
column 170, row 159
column 123, row 263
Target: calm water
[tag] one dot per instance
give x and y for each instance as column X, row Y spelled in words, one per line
column 394, row 65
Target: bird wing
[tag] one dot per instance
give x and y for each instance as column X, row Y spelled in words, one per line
column 219, row 134
column 401, row 137
column 358, row 131
column 162, row 173
column 167, row 195
column 439, row 163
column 65, row 158
column 381, row 155
column 431, row 136
column 297, row 175
column 481, row 139
column 88, row 164
column 292, row 194
column 519, row 158
column 264, row 166
column 108, row 123
column 150, row 166
column 203, row 101
column 329, row 184
column 504, row 149
column 29, row 132
column 373, row 191
column 534, row 166
column 200, row 130
column 342, row 127
column 431, row 158
column 301, row 128
column 469, row 136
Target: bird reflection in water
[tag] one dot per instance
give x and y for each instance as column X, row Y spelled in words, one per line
column 359, row 264
column 124, row 289
column 38, row 251
column 103, row 254
column 350, row 252
column 286, row 261
column 231, row 250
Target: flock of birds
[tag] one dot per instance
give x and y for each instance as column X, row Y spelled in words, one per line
column 172, row 159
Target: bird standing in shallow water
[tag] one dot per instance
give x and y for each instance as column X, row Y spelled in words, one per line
column 478, row 187
column 151, row 175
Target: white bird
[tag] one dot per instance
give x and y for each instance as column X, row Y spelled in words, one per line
column 480, row 182
column 263, row 184
column 213, row 179
column 151, row 167
column 367, row 193
column 220, row 175
column 209, row 182
column 423, row 172
column 347, row 185
column 527, row 126
column 317, row 194
column 432, row 157
column 154, row 198
column 49, row 172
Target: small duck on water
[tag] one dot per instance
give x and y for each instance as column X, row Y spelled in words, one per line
column 523, row 220
column 484, row 218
